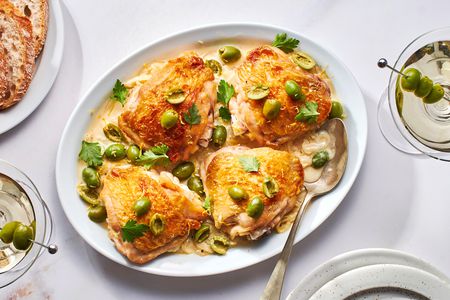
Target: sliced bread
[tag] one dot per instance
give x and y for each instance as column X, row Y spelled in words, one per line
column 37, row 12
column 5, row 76
column 16, row 39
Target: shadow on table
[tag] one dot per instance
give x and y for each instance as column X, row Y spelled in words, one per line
column 388, row 210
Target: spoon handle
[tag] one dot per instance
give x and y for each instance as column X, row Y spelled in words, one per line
column 275, row 284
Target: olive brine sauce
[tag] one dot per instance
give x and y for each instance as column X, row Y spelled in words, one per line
column 304, row 147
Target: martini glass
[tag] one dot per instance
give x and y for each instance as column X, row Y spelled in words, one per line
column 21, row 201
column 407, row 123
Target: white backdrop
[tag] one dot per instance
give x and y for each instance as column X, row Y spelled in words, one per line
column 398, row 201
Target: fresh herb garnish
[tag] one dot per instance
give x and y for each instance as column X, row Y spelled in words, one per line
column 308, row 113
column 192, row 117
column 224, row 92
column 91, row 153
column 120, row 92
column 160, row 149
column 131, row 230
column 249, row 163
column 207, row 204
column 155, row 156
column 284, row 43
column 224, row 113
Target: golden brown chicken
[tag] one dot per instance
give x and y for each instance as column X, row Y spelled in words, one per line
column 275, row 177
column 184, row 89
column 270, row 67
column 179, row 209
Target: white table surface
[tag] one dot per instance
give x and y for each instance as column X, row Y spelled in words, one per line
column 398, row 201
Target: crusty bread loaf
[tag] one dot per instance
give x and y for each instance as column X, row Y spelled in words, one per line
column 16, row 39
column 5, row 76
column 37, row 12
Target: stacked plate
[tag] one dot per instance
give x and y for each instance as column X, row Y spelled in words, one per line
column 373, row 274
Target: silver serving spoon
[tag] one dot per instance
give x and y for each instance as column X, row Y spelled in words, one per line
column 331, row 175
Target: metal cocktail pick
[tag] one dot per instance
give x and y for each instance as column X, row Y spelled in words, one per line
column 383, row 63
column 52, row 248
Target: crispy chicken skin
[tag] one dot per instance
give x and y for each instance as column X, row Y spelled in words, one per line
column 270, row 66
column 181, row 208
column 223, row 170
column 145, row 105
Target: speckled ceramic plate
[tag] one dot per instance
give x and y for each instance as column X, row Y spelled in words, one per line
column 372, row 273
column 346, row 88
column 47, row 68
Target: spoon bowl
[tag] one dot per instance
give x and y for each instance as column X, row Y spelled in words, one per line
column 330, row 177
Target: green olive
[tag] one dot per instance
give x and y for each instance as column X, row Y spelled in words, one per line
column 202, row 233
column 133, row 153
column 214, row 65
column 255, row 208
column 175, row 96
column 115, row 152
column 169, row 119
column 7, row 232
column 22, row 237
column 436, row 94
column 337, row 111
column 303, row 60
column 90, row 177
column 195, row 184
column 219, row 136
column 88, row 195
column 320, row 159
column 220, row 244
column 271, row 109
column 237, row 193
column 113, row 133
column 97, row 213
column 258, row 92
column 142, row 206
column 183, row 170
column 157, row 224
column 411, row 80
column 424, row 87
column 270, row 187
column 294, row 90
column 229, row 54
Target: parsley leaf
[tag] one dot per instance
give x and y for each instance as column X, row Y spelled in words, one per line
column 249, row 163
column 207, row 204
column 131, row 230
column 224, row 113
column 120, row 92
column 155, row 156
column 91, row 153
column 308, row 113
column 192, row 117
column 284, row 43
column 224, row 92
column 160, row 149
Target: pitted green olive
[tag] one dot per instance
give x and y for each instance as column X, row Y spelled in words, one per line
column 22, row 237
column 157, row 224
column 133, row 153
column 7, row 232
column 183, row 170
column 220, row 244
column 303, row 60
column 271, row 109
column 258, row 92
column 202, row 233
column 90, row 177
column 237, row 193
column 270, row 187
column 337, row 111
column 195, row 184
column 294, row 90
column 424, row 87
column 436, row 94
column 97, row 213
column 214, row 65
column 142, row 206
column 169, row 119
column 229, row 54
column 113, row 133
column 175, row 96
column 88, row 195
column 411, row 80
column 255, row 207
column 219, row 135
column 115, row 152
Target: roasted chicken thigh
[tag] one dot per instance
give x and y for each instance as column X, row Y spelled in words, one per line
column 227, row 168
column 270, row 67
column 179, row 209
column 185, row 87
